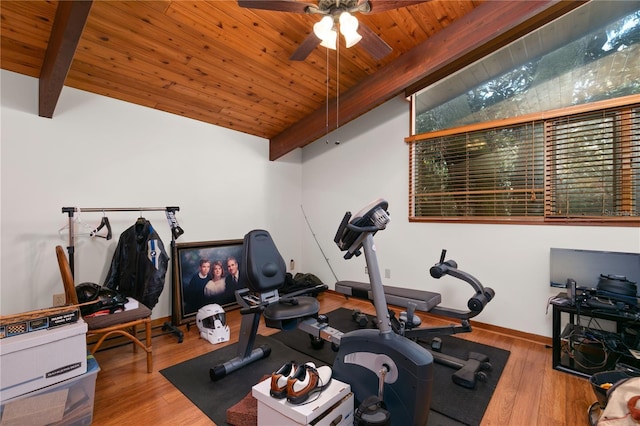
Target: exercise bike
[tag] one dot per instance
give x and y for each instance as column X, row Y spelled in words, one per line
column 401, row 368
column 373, row 362
column 468, row 371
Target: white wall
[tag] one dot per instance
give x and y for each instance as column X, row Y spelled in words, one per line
column 101, row 152
column 371, row 162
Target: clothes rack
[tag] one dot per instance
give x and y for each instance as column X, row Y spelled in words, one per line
column 72, row 210
column 176, row 231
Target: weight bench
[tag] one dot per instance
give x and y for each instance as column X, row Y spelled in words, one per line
column 467, row 371
column 423, row 301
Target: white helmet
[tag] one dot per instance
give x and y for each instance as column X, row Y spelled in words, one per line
column 211, row 321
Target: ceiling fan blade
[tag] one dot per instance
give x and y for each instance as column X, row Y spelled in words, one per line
column 306, row 47
column 384, row 5
column 277, row 5
column 372, row 43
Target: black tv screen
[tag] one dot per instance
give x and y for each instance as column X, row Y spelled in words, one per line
column 585, row 266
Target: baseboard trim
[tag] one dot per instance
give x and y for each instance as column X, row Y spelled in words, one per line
column 509, row 332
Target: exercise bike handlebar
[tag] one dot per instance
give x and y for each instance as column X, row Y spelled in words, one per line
column 287, row 298
column 362, row 229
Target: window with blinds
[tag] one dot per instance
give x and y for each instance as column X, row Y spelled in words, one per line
column 576, row 167
column 592, row 165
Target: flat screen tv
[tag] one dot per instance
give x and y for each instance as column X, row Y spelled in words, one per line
column 585, row 266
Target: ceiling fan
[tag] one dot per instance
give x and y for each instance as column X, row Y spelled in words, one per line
column 335, row 13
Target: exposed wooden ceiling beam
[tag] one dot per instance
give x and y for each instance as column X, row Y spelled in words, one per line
column 71, row 17
column 487, row 28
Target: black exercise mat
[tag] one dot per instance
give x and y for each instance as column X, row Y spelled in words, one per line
column 214, row 398
column 465, row 406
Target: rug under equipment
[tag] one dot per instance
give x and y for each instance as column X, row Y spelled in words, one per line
column 450, row 405
column 214, row 398
column 466, row 406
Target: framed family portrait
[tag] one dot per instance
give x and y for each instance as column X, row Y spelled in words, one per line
column 205, row 273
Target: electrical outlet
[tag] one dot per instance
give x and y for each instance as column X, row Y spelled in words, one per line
column 387, row 273
column 366, row 270
column 58, row 299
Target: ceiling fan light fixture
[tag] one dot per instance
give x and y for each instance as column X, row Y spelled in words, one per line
column 323, row 27
column 348, row 28
column 324, row 30
column 348, row 22
column 351, row 39
column 330, row 40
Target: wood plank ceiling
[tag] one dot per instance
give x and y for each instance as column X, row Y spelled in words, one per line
column 219, row 63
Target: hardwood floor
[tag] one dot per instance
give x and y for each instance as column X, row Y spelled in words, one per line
column 529, row 392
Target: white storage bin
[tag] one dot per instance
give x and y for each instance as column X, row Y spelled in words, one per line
column 41, row 358
column 66, row 403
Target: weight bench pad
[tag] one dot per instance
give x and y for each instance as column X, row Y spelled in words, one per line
column 424, row 300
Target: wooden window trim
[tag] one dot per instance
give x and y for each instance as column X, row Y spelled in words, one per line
column 547, row 115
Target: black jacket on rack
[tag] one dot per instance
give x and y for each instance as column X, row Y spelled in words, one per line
column 139, row 264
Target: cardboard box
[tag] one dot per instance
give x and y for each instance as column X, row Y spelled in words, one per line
column 334, row 405
column 340, row 414
column 35, row 320
column 65, row 403
column 42, row 358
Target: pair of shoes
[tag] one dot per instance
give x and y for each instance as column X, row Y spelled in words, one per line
column 279, row 379
column 306, row 381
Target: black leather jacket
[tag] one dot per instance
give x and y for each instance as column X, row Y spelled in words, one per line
column 139, row 264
